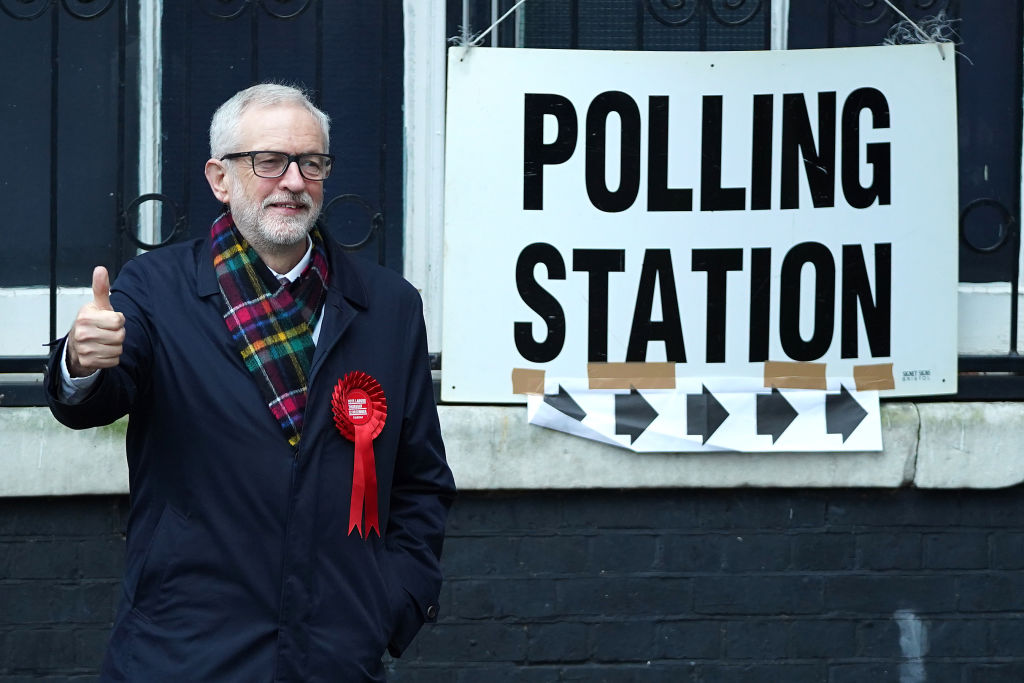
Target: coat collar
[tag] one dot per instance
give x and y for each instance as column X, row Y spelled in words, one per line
column 345, row 286
column 344, row 282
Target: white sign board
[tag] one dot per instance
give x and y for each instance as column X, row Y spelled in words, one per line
column 716, row 210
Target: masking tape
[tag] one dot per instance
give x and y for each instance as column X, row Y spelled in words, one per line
column 635, row 375
column 526, row 381
column 794, row 375
column 873, row 377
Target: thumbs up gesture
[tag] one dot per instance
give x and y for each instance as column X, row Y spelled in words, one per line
column 98, row 331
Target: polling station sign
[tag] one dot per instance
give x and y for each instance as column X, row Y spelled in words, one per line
column 719, row 214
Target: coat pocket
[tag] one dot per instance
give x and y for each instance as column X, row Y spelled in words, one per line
column 161, row 557
column 394, row 594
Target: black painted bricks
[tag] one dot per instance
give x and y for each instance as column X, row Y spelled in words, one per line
column 691, row 586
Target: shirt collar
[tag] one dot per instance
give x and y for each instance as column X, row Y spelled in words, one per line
column 293, row 274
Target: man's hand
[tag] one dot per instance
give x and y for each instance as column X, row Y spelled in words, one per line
column 97, row 334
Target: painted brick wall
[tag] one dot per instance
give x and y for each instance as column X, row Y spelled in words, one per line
column 60, row 569
column 735, row 586
column 738, row 586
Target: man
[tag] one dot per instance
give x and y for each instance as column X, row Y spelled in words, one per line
column 289, row 487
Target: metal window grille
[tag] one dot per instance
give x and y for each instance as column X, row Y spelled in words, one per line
column 53, row 252
column 78, row 137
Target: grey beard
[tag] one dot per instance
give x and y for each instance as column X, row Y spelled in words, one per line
column 254, row 224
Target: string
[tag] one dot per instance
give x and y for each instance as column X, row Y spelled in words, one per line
column 922, row 36
column 478, row 39
column 920, row 33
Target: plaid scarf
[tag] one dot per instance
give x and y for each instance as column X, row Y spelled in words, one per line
column 272, row 324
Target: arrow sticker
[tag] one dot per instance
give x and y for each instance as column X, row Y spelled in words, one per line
column 774, row 414
column 704, row 414
column 563, row 403
column 843, row 414
column 711, row 415
column 633, row 414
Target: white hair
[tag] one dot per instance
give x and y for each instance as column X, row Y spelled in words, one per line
column 224, row 126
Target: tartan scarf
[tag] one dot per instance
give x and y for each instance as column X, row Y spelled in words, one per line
column 271, row 324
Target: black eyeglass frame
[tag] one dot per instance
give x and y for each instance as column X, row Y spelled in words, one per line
column 291, row 157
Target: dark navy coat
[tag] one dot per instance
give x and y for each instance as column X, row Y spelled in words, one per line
column 239, row 566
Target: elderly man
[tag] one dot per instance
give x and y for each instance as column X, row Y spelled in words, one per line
column 289, row 487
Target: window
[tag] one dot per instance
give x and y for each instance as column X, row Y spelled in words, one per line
column 110, row 101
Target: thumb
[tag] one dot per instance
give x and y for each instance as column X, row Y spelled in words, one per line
column 101, row 288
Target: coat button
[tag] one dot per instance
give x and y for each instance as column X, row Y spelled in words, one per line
column 432, row 612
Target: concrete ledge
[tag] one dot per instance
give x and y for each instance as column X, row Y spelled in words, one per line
column 494, row 448
column 41, row 457
column 970, row 445
column 929, row 445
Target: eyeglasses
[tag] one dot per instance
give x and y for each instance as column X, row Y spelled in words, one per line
column 275, row 164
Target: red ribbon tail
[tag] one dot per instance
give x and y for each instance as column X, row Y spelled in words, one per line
column 355, row 510
column 370, row 473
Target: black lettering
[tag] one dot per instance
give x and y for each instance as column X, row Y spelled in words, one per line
column 541, row 301
column 599, row 263
column 717, row 263
column 760, row 302
column 536, row 154
column 714, row 197
column 657, row 266
column 877, row 310
column 629, row 159
column 660, row 197
column 798, row 143
column 877, row 156
column 793, row 345
column 761, row 154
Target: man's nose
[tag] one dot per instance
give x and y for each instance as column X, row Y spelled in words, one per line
column 292, row 179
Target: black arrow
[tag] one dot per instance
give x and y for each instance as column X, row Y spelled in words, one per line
column 563, row 403
column 633, row 414
column 774, row 414
column 704, row 414
column 843, row 414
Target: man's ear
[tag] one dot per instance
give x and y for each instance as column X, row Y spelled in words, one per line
column 217, row 176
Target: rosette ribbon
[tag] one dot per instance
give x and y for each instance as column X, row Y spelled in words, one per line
column 360, row 410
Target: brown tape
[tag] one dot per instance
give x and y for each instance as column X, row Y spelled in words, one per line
column 626, row 375
column 526, row 381
column 873, row 377
column 794, row 375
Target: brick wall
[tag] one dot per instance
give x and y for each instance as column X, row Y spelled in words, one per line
column 60, row 568
column 730, row 586
column 684, row 586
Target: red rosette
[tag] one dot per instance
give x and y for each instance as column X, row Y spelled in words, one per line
column 360, row 410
